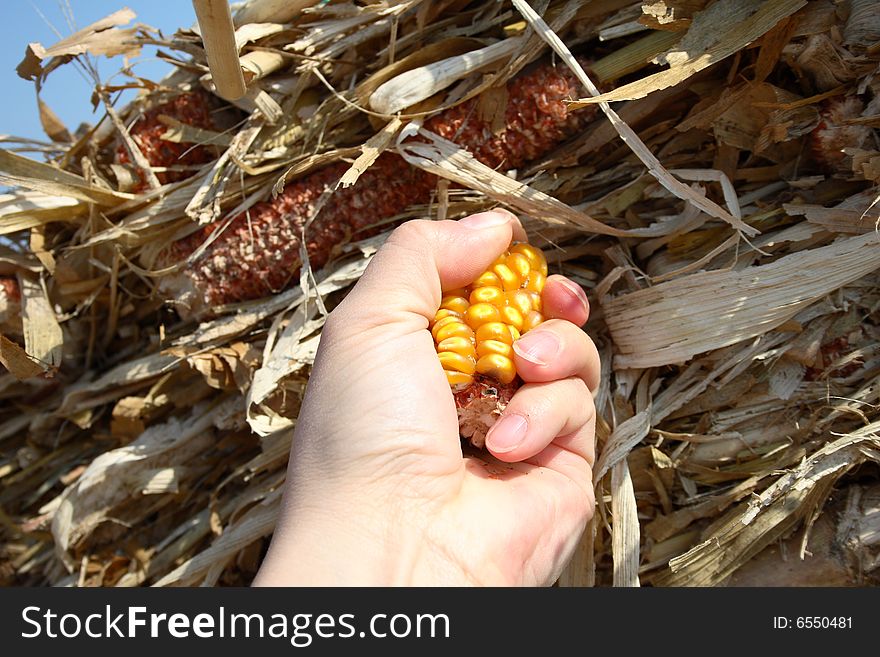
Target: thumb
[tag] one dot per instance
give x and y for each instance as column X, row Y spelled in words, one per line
column 422, row 258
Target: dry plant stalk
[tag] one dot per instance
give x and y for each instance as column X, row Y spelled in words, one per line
column 215, row 22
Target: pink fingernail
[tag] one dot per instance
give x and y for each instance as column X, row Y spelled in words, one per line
column 577, row 291
column 507, row 433
column 538, row 347
column 483, row 220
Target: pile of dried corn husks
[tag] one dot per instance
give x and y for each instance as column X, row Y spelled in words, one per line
column 722, row 213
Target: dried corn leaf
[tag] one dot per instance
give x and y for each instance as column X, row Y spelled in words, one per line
column 704, row 44
column 98, row 38
column 369, row 152
column 116, row 383
column 115, row 476
column 443, row 158
column 655, row 168
column 295, row 347
column 838, row 220
column 676, row 320
column 418, row 84
column 43, row 340
column 259, row 522
column 270, row 11
column 19, row 171
column 748, row 529
column 625, row 533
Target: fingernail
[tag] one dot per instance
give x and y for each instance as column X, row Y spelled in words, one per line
column 483, row 220
column 577, row 291
column 507, row 433
column 538, row 347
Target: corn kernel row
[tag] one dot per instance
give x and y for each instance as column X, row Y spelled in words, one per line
column 475, row 327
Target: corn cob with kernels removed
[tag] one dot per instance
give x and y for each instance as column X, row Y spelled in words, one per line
column 474, row 331
column 258, row 253
column 179, row 158
column 10, row 306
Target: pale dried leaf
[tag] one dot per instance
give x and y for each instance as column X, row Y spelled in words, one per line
column 99, row 38
column 43, row 339
column 704, row 44
column 625, row 532
column 676, row 320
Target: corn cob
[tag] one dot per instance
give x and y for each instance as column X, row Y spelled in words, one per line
column 474, row 331
column 190, row 108
column 258, row 253
column 10, row 306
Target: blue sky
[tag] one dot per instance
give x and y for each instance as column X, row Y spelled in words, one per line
column 66, row 91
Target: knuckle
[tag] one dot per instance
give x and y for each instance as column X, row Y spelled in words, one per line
column 411, row 233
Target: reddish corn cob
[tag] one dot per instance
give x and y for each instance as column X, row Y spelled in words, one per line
column 258, row 253
column 535, row 120
column 190, row 108
column 10, row 305
column 474, row 331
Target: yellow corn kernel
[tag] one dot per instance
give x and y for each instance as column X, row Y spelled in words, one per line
column 487, row 347
column 495, row 331
column 535, row 298
column 520, row 300
column 482, row 313
column 510, row 280
column 453, row 361
column 486, row 279
column 535, row 282
column 536, row 257
column 532, row 319
column 498, row 367
column 454, row 329
column 458, row 304
column 519, row 264
column 512, row 316
column 458, row 379
column 445, row 312
column 457, row 344
column 493, row 295
column 476, row 326
column 445, row 321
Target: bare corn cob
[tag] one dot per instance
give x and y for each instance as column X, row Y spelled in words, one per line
column 190, row 108
column 258, row 253
column 474, row 331
column 10, row 306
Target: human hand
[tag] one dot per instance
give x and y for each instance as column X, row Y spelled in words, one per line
column 378, row 490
